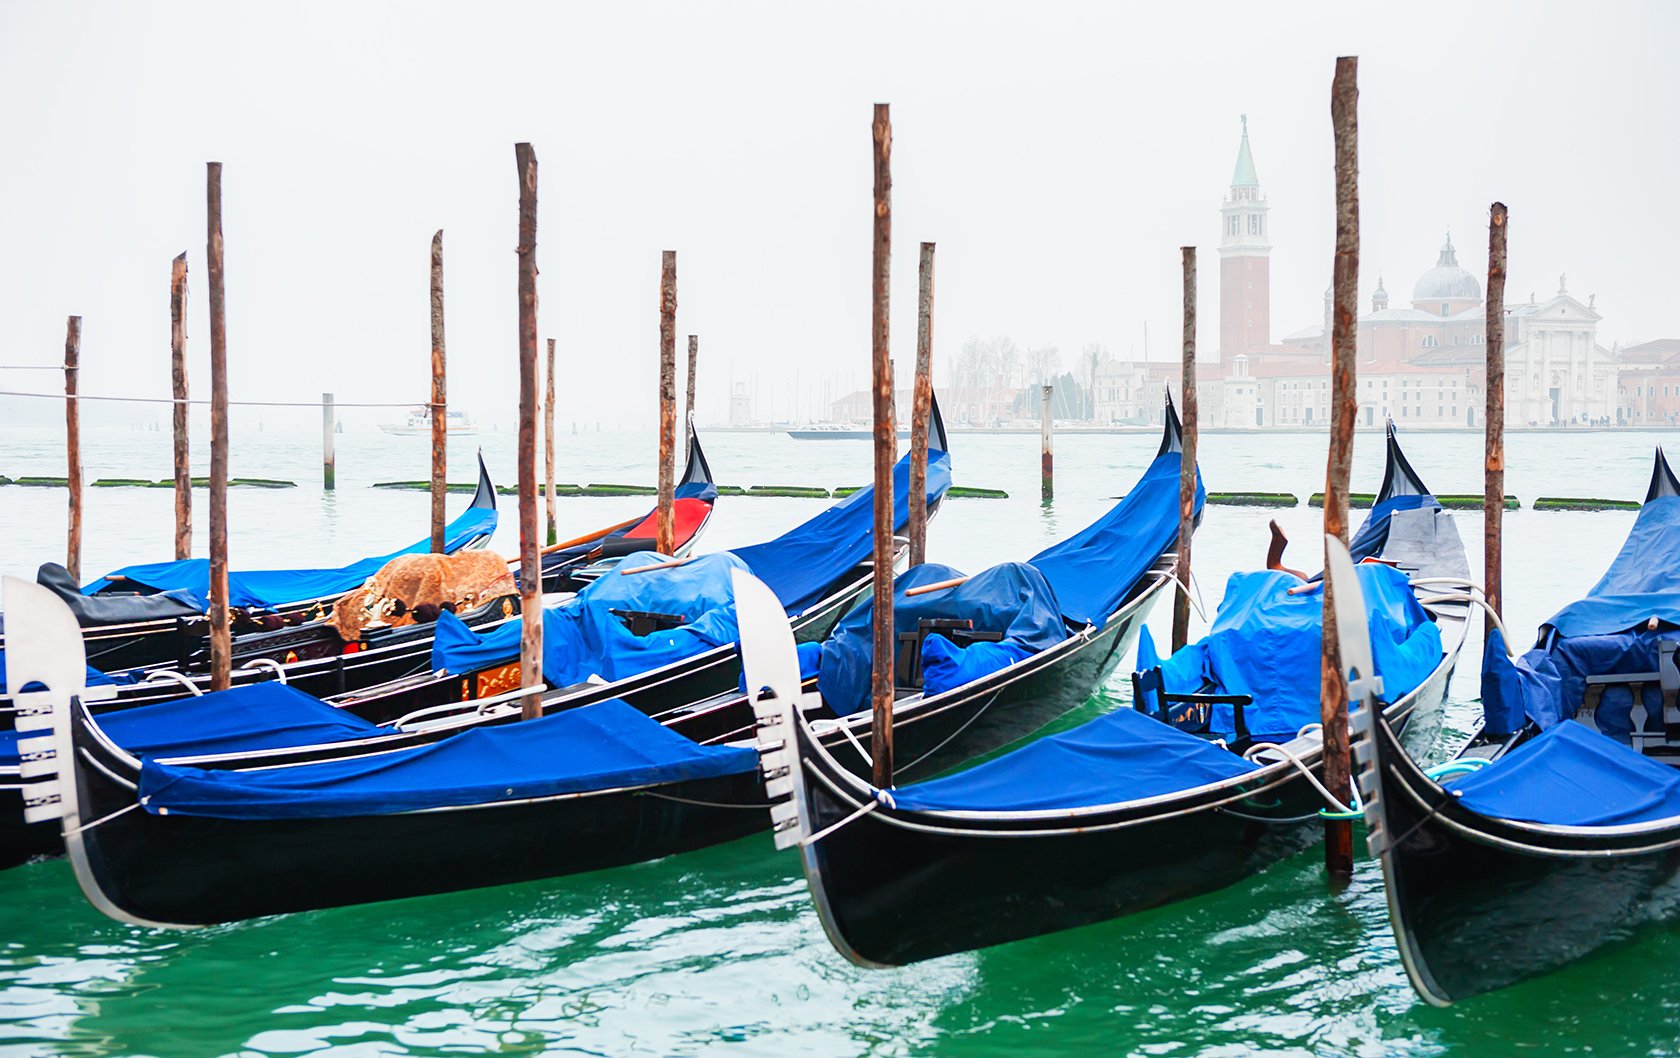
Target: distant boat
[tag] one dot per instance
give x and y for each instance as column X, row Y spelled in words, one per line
column 835, row 432
column 420, row 422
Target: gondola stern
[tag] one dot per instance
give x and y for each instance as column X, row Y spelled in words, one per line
column 484, row 497
column 1663, row 481
column 938, row 439
column 1172, row 430
column 698, row 471
column 1399, row 479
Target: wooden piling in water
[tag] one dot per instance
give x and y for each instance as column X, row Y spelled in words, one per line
column 440, row 401
column 329, row 461
column 178, row 384
column 548, row 444
column 886, row 451
column 1187, row 469
column 530, row 564
column 1047, row 446
column 1344, row 411
column 221, row 637
column 664, row 522
column 688, row 408
column 73, row 444
column 921, row 405
column 1493, row 497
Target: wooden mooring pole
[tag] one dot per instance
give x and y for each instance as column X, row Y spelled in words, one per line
column 440, row 401
column 688, row 408
column 664, row 524
column 329, row 461
column 221, row 638
column 1493, row 487
column 548, row 444
column 921, row 409
column 1344, row 410
column 73, row 444
column 1047, row 446
column 886, row 453
column 1187, row 469
column 178, row 383
column 530, row 565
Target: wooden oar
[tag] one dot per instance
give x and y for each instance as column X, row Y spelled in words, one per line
column 584, row 539
column 923, row 589
column 661, row 565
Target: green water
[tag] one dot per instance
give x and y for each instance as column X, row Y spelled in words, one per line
column 719, row 950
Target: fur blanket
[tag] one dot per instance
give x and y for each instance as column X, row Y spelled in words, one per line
column 413, row 588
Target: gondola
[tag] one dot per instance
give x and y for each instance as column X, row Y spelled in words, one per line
column 1555, row 830
column 154, row 614
column 470, row 680
column 171, row 842
column 313, row 658
column 1194, row 790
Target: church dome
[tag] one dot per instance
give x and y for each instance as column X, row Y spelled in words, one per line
column 1446, row 281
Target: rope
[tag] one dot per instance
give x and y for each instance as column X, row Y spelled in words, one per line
column 868, row 806
column 231, row 403
column 1263, row 747
column 131, row 806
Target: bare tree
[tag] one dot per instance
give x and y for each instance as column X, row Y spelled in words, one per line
column 1092, row 357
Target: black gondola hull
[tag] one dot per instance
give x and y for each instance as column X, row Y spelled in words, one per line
column 182, row 870
column 1479, row 903
column 895, row 887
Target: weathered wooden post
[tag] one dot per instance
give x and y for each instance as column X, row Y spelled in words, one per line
column 221, row 637
column 921, row 403
column 886, row 453
column 1047, row 443
column 548, row 444
column 530, row 564
column 688, row 408
column 73, row 444
column 664, row 524
column 178, row 383
column 440, row 401
column 329, row 470
column 1493, row 488
column 1344, row 410
column 1187, row 471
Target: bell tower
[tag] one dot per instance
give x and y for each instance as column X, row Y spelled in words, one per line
column 1245, row 250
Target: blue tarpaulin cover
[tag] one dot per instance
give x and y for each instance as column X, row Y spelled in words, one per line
column 1093, row 570
column 1013, row 599
column 946, row 666
column 1267, row 643
column 1599, row 635
column 1570, row 775
column 1642, row 582
column 266, row 715
column 596, row 747
column 1120, row 756
column 801, row 564
column 269, row 588
column 582, row 637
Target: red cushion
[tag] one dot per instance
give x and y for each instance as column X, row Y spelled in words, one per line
column 686, row 516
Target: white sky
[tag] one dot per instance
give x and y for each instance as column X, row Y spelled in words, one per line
column 1058, row 153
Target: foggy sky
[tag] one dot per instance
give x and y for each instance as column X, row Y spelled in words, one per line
column 1059, row 154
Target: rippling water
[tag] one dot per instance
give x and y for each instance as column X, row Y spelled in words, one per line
column 720, row 948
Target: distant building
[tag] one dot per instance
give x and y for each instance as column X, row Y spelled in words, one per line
column 740, row 405
column 1648, row 383
column 969, row 407
column 1423, row 365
